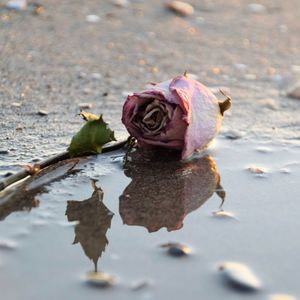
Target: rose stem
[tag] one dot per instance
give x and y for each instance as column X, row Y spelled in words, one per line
column 51, row 161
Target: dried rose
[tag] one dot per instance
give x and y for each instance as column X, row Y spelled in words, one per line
column 180, row 113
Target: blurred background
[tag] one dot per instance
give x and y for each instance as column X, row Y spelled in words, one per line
column 59, row 56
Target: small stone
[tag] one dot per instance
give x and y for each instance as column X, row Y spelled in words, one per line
column 85, row 105
column 240, row 275
column 216, row 70
column 285, row 171
column 96, row 76
column 42, row 113
column 7, row 244
column 294, row 92
column 256, row 170
column 177, row 249
column 100, row 279
column 121, row 3
column 256, row 8
column 7, row 174
column 234, row 134
column 37, row 9
column 17, row 5
column 81, row 75
column 264, row 150
column 181, row 8
column 3, row 151
column 92, row 18
column 222, row 214
column 16, row 104
column 282, row 297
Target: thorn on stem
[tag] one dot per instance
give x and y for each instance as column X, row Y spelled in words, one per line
column 226, row 104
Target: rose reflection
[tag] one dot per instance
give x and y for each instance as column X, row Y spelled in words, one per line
column 164, row 190
column 94, row 221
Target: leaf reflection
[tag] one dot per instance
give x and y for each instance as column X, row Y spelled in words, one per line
column 23, row 197
column 164, row 190
column 94, row 221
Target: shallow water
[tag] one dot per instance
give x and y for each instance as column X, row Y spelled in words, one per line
column 61, row 229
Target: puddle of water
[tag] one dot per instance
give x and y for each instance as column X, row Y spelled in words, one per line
column 95, row 214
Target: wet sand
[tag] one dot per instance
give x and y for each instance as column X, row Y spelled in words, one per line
column 49, row 62
column 123, row 239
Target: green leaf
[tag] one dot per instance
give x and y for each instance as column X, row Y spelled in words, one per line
column 91, row 137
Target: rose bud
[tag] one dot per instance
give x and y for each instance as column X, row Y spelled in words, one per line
column 180, row 113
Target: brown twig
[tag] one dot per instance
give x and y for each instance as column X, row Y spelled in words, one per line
column 51, row 161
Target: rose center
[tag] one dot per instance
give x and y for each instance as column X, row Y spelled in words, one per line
column 154, row 117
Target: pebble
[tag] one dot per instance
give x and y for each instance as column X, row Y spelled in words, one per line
column 256, row 8
column 7, row 244
column 223, row 214
column 256, row 170
column 16, row 104
column 234, row 134
column 240, row 275
column 81, row 75
column 264, row 150
column 96, row 76
column 85, row 105
column 181, row 8
column 282, row 297
column 121, row 3
column 285, row 171
column 295, row 92
column 3, row 151
column 100, row 279
column 42, row 113
column 92, row 18
column 177, row 249
column 17, row 5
